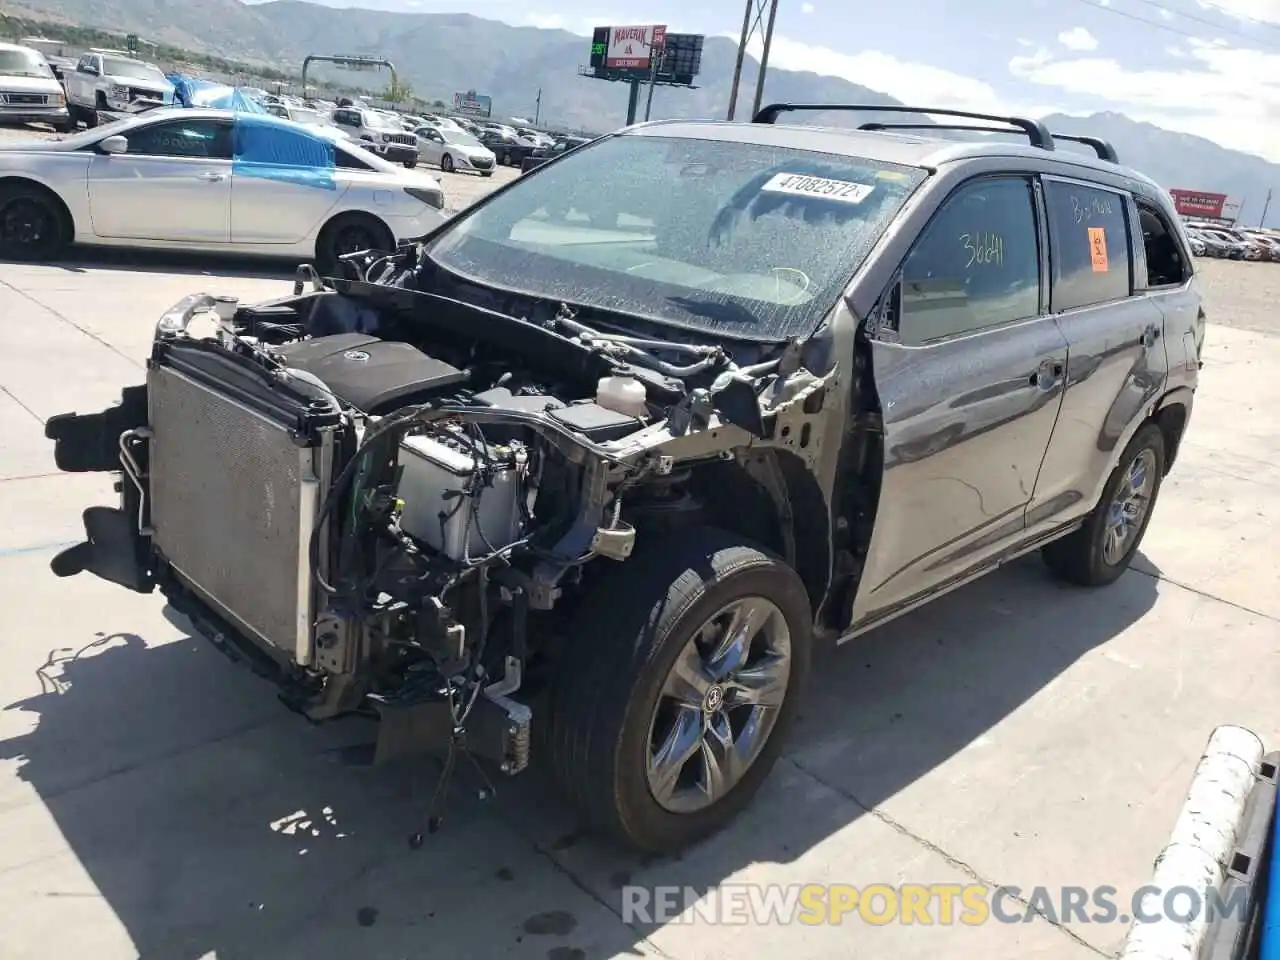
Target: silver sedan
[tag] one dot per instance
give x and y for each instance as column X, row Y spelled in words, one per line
column 453, row 149
column 209, row 180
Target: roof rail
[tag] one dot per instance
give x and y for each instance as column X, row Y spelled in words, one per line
column 1102, row 148
column 1036, row 131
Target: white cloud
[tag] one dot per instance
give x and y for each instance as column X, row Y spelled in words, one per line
column 1256, row 11
column 1078, row 38
column 1229, row 95
column 912, row 83
column 806, row 8
column 1165, row 14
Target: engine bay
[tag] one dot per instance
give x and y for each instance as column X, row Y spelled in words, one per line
column 391, row 500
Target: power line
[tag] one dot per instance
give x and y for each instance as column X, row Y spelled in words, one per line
column 1170, row 28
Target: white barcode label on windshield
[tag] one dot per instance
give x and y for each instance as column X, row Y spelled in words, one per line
column 797, row 184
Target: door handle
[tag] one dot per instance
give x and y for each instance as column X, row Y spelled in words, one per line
column 1047, row 374
column 1149, row 335
column 210, row 177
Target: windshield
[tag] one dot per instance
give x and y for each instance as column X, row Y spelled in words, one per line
column 460, row 138
column 24, row 63
column 740, row 239
column 132, row 69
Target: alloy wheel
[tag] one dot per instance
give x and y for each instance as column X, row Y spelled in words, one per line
column 718, row 705
column 1129, row 507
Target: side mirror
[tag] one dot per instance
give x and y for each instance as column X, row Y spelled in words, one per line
column 115, row 144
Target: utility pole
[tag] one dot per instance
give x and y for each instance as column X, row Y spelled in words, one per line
column 654, row 55
column 537, row 108
column 1262, row 220
column 757, row 21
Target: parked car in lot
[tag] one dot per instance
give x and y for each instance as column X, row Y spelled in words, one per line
column 29, row 91
column 1216, row 247
column 208, row 180
column 378, row 133
column 452, row 150
column 615, row 446
column 537, row 158
column 106, row 80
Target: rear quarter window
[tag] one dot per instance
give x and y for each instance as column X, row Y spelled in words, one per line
column 1089, row 245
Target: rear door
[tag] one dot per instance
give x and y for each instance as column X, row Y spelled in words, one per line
column 1117, row 360
column 970, row 381
column 173, row 184
column 284, row 183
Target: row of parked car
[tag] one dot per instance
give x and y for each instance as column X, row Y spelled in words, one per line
column 1231, row 243
column 66, row 93
column 453, row 143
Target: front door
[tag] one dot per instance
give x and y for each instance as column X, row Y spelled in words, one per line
column 173, row 183
column 430, row 146
column 969, row 372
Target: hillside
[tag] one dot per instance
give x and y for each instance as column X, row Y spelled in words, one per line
column 438, row 54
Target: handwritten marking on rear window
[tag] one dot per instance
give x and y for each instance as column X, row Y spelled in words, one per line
column 984, row 249
column 799, row 185
column 1090, row 208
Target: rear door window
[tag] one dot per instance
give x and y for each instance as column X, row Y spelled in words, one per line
column 1089, row 244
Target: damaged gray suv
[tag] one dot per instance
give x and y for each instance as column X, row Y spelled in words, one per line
column 585, row 474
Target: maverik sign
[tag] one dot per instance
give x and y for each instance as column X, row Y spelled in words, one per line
column 1197, row 203
column 632, row 48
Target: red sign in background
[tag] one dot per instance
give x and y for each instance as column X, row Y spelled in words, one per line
column 1198, row 203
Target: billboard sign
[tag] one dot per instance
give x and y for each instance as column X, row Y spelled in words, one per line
column 1198, row 203
column 633, row 48
column 472, row 104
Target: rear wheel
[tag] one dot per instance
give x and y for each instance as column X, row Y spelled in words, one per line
column 350, row 233
column 1101, row 550
column 674, row 694
column 32, row 224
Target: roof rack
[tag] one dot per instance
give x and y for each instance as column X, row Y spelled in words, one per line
column 1102, row 148
column 1036, row 131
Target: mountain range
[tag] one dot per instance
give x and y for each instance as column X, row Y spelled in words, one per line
column 527, row 69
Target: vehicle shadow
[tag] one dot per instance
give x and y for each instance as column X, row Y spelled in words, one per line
column 85, row 259
column 211, row 823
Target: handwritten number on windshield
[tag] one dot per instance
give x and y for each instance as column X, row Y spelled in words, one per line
column 983, row 249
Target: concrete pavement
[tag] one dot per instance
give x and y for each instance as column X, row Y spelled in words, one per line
column 156, row 801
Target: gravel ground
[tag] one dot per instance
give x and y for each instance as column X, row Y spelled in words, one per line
column 1242, row 295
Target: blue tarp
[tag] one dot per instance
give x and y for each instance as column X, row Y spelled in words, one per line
column 269, row 148
column 191, row 91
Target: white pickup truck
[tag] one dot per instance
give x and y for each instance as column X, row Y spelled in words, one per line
column 106, row 80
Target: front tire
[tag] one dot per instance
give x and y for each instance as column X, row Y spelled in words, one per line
column 32, row 224
column 1101, row 550
column 350, row 233
column 674, row 694
column 446, row 163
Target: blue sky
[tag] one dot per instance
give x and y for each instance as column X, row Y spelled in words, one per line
column 1209, row 67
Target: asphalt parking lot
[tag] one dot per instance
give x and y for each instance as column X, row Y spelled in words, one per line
column 156, row 801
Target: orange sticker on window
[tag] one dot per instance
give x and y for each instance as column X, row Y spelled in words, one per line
column 1098, row 249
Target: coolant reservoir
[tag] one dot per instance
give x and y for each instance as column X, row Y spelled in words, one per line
column 624, row 395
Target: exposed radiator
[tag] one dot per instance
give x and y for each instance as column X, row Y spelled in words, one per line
column 233, row 500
